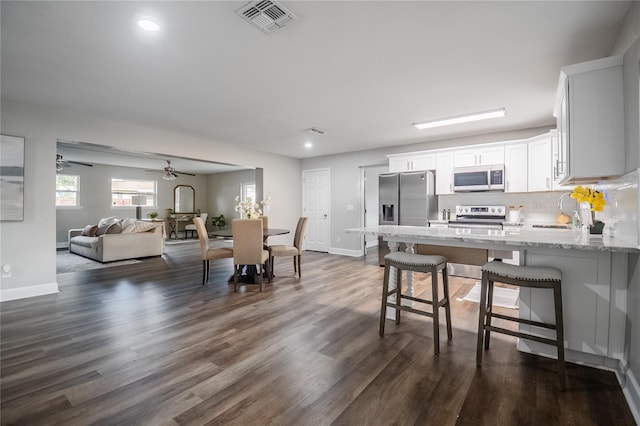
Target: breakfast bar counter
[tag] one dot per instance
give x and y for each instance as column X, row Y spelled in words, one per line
column 594, row 282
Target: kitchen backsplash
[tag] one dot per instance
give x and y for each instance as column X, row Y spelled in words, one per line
column 620, row 214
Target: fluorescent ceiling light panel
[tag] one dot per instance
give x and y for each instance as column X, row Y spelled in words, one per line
column 462, row 119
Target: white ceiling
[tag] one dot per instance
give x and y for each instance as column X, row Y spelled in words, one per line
column 361, row 71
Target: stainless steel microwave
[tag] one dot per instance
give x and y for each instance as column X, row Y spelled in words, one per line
column 478, row 178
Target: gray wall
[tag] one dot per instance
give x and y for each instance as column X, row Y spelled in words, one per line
column 33, row 240
column 223, row 190
column 628, row 43
column 345, row 179
column 95, row 196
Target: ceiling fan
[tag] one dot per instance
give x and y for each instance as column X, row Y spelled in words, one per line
column 169, row 173
column 61, row 163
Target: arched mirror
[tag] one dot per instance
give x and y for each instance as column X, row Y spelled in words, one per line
column 184, row 199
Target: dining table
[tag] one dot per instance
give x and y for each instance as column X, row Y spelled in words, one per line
column 249, row 272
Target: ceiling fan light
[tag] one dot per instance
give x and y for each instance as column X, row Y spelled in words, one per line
column 59, row 167
column 168, row 176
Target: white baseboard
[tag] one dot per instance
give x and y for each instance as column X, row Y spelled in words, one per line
column 63, row 244
column 631, row 391
column 30, row 291
column 372, row 243
column 346, row 252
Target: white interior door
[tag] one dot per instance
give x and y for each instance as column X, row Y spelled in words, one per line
column 315, row 205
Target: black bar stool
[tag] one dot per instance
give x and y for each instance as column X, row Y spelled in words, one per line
column 417, row 263
column 523, row 276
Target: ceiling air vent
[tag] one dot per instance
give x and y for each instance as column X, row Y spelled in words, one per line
column 267, row 15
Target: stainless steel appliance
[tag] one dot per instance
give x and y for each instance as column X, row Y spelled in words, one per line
column 481, row 219
column 405, row 199
column 478, row 178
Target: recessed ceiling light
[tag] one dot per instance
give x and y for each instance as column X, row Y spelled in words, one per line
column 308, row 145
column 148, row 25
column 462, row 119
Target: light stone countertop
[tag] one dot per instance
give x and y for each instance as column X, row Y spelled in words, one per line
column 501, row 239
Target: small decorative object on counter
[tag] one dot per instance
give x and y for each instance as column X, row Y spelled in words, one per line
column 596, row 201
column 153, row 215
column 444, row 214
column 514, row 213
column 448, row 214
column 575, row 221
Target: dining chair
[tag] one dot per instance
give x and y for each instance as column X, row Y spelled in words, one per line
column 248, row 251
column 209, row 253
column 295, row 250
column 192, row 227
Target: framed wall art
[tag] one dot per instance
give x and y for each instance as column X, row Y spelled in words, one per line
column 11, row 178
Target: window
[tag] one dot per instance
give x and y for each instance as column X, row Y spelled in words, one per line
column 67, row 191
column 123, row 189
column 249, row 190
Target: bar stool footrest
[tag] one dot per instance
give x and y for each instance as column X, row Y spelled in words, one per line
column 521, row 335
column 524, row 321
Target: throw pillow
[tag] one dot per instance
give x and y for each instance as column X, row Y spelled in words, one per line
column 114, row 228
column 90, row 231
column 139, row 226
column 104, row 224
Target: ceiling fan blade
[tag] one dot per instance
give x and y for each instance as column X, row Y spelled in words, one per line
column 79, row 163
column 183, row 173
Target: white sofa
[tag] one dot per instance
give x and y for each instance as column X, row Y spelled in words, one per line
column 110, row 247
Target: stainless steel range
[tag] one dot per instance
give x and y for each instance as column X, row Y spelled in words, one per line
column 479, row 219
column 483, row 217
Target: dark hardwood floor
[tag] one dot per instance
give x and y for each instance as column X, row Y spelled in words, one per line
column 148, row 344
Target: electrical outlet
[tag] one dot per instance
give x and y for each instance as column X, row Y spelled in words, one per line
column 6, row 271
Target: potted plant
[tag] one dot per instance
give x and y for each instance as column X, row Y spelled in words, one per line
column 153, row 215
column 171, row 213
column 219, row 221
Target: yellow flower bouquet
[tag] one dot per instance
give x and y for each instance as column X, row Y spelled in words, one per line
column 597, row 202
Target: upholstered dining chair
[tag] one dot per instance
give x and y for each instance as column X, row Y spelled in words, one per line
column 192, row 227
column 209, row 253
column 295, row 250
column 248, row 250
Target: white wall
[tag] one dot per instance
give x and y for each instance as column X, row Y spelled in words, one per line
column 30, row 245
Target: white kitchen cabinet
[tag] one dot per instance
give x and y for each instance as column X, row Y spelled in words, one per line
column 540, row 170
column 590, row 116
column 444, row 172
column 516, row 167
column 411, row 161
column 558, row 157
column 482, row 155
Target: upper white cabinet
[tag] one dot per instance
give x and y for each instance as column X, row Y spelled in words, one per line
column 411, row 161
column 540, row 170
column 515, row 167
column 444, row 172
column 482, row 155
column 590, row 116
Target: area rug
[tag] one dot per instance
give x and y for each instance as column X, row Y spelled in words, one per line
column 70, row 262
column 503, row 297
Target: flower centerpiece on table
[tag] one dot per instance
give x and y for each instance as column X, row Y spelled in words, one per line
column 251, row 210
column 596, row 201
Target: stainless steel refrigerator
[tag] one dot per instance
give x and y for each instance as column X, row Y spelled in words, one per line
column 407, row 198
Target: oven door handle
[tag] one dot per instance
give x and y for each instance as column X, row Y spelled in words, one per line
column 475, row 225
